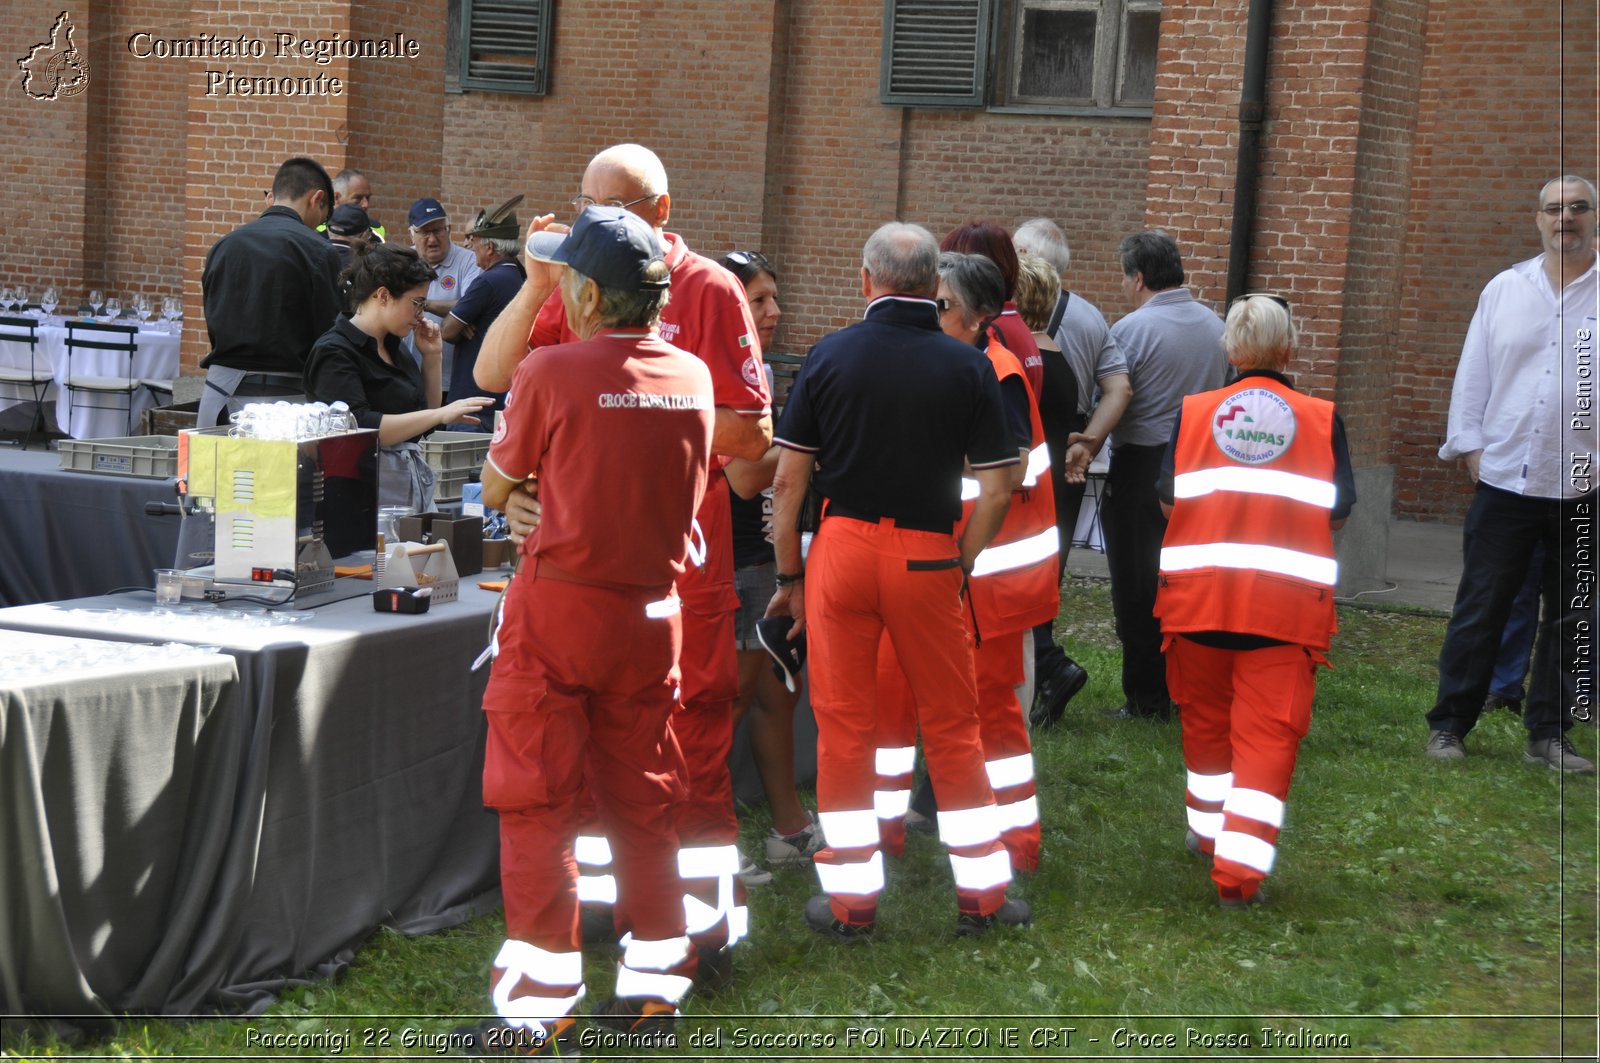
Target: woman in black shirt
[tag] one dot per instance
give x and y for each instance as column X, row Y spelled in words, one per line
column 360, row 362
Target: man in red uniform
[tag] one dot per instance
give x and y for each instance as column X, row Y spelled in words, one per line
column 586, row 664
column 707, row 316
column 1256, row 479
column 886, row 412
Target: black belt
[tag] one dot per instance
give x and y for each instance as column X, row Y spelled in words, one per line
column 834, row 509
column 265, row 384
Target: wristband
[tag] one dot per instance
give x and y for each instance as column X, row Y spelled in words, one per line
column 784, row 579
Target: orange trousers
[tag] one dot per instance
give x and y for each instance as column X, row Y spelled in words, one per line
column 1003, row 726
column 864, row 581
column 1244, row 713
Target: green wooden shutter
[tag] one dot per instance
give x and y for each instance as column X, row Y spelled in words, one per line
column 505, row 45
column 936, row 52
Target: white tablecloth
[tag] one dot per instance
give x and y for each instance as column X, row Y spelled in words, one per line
column 156, row 358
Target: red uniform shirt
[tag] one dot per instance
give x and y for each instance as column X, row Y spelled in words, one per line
column 617, row 429
column 707, row 315
column 1020, row 342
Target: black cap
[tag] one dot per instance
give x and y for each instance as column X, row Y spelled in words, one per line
column 349, row 220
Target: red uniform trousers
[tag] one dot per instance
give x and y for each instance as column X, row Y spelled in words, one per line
column 582, row 688
column 1243, row 713
column 863, row 580
column 708, row 828
column 998, row 665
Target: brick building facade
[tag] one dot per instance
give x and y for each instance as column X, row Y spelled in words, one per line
column 1403, row 145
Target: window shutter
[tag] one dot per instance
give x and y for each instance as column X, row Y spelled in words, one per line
column 936, row 52
column 506, row 45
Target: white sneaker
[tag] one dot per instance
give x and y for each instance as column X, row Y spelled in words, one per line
column 794, row 850
column 751, row 873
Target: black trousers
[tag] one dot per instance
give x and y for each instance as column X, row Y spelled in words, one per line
column 1134, row 527
column 1497, row 541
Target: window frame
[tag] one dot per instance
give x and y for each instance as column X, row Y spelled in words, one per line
column 999, row 43
column 541, row 14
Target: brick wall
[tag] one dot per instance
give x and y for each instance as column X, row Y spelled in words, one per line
column 1507, row 101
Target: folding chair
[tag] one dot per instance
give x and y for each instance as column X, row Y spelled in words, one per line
column 85, row 374
column 28, row 377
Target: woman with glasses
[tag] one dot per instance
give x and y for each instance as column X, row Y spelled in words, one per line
column 794, row 836
column 360, row 362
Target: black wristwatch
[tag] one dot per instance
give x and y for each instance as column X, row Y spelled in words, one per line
column 784, row 578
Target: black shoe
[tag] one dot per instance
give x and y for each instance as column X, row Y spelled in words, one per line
column 641, row 1020
column 788, row 655
column 1254, row 900
column 819, row 917
column 713, row 970
column 1012, row 913
column 1511, row 705
column 494, row 1038
column 596, row 924
column 1130, row 711
column 1055, row 690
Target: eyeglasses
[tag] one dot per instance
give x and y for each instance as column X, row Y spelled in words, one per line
column 581, row 202
column 1555, row 210
column 1280, row 300
column 946, row 305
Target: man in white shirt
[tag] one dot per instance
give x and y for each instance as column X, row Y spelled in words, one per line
column 1522, row 419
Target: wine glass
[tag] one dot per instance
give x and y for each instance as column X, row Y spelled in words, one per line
column 172, row 310
column 97, row 300
column 113, row 307
column 49, row 300
column 19, row 298
column 140, row 303
column 7, row 298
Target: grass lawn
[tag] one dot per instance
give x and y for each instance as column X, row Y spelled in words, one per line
column 1419, row 910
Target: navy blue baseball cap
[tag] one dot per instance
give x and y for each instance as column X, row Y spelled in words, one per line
column 423, row 211
column 612, row 246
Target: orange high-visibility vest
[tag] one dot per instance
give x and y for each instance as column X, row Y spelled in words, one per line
column 1248, row 548
column 1015, row 581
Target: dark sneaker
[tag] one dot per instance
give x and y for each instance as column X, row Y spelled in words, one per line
column 1445, row 745
column 640, row 1019
column 1254, row 900
column 1191, row 842
column 714, row 968
column 819, row 917
column 597, row 925
column 1511, row 705
column 1055, row 690
column 788, row 655
column 494, row 1038
column 1012, row 913
column 1558, row 755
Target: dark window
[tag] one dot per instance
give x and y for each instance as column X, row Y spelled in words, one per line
column 1078, row 55
column 502, row 46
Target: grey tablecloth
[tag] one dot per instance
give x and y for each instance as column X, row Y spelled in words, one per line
column 72, row 534
column 119, row 782
column 359, row 786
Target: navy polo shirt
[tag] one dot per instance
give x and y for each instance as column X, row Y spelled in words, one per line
column 892, row 408
column 484, row 299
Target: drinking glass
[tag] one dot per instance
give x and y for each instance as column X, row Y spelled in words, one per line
column 7, row 298
column 172, row 310
column 49, row 300
column 140, row 304
column 97, row 300
column 19, row 298
column 113, row 307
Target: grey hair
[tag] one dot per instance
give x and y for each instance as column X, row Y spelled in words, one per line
column 341, row 180
column 1044, row 238
column 504, row 248
column 902, row 258
column 619, row 307
column 1588, row 186
column 977, row 282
